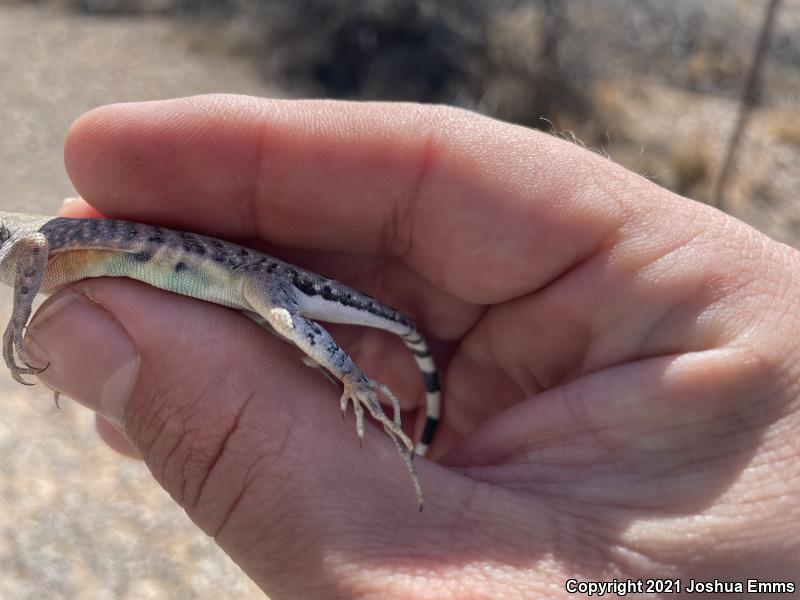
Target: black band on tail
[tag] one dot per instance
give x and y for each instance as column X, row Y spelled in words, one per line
column 430, row 428
column 431, row 382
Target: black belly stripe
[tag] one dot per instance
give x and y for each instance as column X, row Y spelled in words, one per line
column 427, row 432
column 431, row 382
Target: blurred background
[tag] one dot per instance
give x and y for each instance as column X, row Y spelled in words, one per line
column 701, row 96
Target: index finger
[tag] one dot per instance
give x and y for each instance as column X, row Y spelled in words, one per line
column 483, row 209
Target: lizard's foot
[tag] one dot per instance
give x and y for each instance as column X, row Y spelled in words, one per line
column 13, row 346
column 364, row 393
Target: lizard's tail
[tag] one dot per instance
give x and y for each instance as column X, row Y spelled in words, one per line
column 422, row 355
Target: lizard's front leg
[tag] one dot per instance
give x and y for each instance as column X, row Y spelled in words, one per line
column 276, row 305
column 29, row 254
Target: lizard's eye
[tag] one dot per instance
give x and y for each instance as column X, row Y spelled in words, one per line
column 4, row 234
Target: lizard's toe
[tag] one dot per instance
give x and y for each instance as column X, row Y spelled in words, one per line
column 17, row 371
column 32, row 370
column 19, row 344
column 17, row 376
column 29, row 368
column 364, row 394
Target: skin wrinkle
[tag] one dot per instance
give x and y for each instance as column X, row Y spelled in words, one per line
column 178, row 447
column 471, row 352
column 782, row 288
column 183, row 468
column 628, row 559
column 596, row 357
column 505, row 528
column 748, row 416
column 526, row 378
column 600, row 180
column 579, row 262
column 215, row 456
column 524, row 209
column 181, row 414
column 247, row 483
column 665, row 320
column 756, row 320
column 667, row 252
column 580, row 413
column 533, row 297
column 157, row 424
column 247, row 205
column 779, row 290
column 399, row 235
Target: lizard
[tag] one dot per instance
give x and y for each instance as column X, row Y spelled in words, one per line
column 41, row 254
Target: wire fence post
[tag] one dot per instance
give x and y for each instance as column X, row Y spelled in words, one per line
column 749, row 99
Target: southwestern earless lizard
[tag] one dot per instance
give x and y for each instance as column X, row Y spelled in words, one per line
column 41, row 254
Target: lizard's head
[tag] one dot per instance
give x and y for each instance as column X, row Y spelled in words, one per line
column 5, row 233
column 12, row 224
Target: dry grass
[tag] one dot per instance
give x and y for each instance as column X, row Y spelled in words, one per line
column 785, row 127
column 690, row 165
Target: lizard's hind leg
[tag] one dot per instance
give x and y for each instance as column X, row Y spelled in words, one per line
column 278, row 308
column 29, row 255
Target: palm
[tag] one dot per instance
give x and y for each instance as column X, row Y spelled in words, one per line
column 618, row 363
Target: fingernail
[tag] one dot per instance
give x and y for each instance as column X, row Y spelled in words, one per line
column 92, row 358
column 69, row 200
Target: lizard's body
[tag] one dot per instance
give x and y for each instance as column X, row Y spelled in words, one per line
column 43, row 254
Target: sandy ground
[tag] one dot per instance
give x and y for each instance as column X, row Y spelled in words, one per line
column 77, row 520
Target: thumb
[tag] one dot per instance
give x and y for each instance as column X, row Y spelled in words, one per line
column 232, row 424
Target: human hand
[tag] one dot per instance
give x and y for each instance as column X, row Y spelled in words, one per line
column 618, row 363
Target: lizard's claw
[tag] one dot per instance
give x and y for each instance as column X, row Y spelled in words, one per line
column 17, row 372
column 363, row 394
column 17, row 375
column 13, row 346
